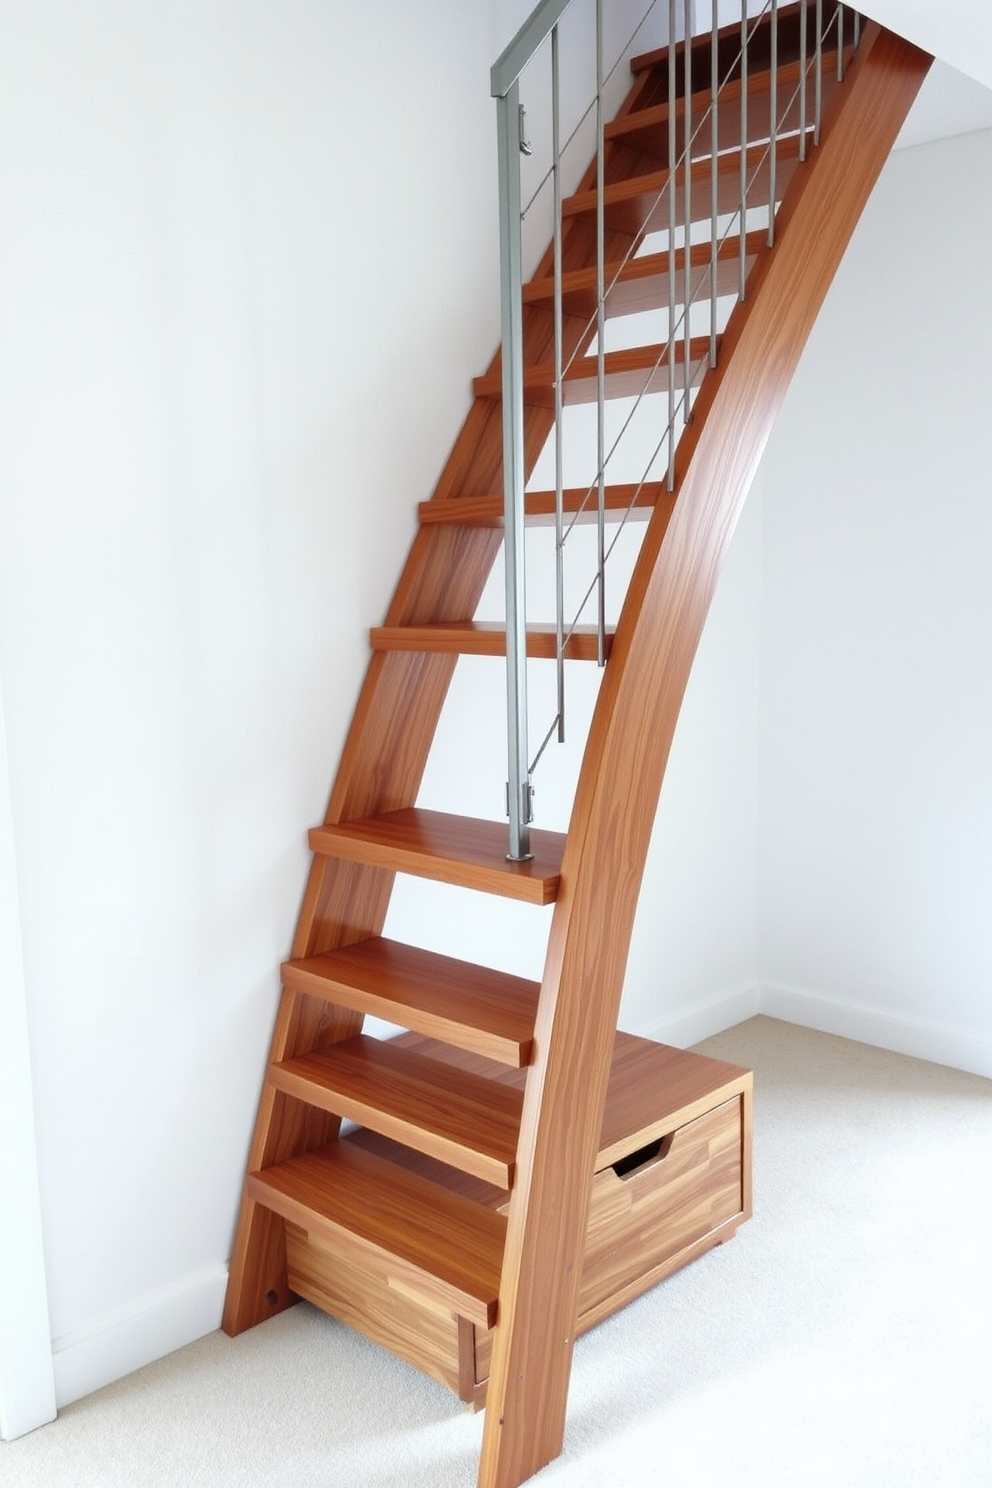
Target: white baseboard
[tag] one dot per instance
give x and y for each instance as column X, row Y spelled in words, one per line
column 120, row 1342
column 920, row 1038
column 691, row 1024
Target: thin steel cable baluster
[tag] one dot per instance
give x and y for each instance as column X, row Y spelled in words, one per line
column 511, row 277
column 687, row 224
column 671, row 245
column 818, row 74
column 714, row 179
column 743, row 224
column 857, row 29
column 600, row 343
column 802, row 80
column 840, row 43
column 773, row 141
column 559, row 480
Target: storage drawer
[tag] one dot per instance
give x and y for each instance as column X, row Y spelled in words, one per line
column 674, row 1180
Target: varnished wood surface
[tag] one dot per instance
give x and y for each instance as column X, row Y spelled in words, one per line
column 473, row 1007
column 453, row 1115
column 453, row 849
column 640, row 204
column 647, row 129
column 486, row 638
column 642, row 282
column 622, row 501
column 632, row 729
column 386, row 1309
column 393, row 1221
column 628, row 373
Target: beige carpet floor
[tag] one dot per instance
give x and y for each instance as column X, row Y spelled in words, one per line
column 843, row 1339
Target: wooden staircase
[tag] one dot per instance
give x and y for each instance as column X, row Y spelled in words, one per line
column 518, row 1169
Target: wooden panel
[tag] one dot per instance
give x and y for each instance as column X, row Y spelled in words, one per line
column 638, row 1222
column 486, row 638
column 478, row 1009
column 633, row 502
column 632, row 729
column 442, row 1246
column 628, row 374
column 427, row 1337
column 453, row 849
column 448, row 1113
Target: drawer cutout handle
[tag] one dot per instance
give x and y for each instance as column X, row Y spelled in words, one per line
column 654, row 1151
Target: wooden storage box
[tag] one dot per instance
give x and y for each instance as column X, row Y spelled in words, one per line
column 673, row 1179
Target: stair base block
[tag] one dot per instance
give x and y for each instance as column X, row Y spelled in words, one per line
column 674, row 1181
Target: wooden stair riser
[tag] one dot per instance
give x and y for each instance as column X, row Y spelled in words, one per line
column 623, row 503
column 484, row 638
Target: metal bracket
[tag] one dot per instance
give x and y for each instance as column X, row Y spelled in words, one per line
column 526, row 148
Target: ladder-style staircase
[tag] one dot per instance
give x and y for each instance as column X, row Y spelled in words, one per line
column 497, row 1188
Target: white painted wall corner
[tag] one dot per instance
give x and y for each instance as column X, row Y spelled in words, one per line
column 127, row 1339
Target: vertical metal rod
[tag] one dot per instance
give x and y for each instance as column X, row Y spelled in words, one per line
column 857, row 29
column 840, row 43
column 802, row 80
column 714, row 178
column 743, row 253
column 559, row 358
column 773, row 141
column 518, row 785
column 687, row 224
column 671, row 244
column 818, row 74
column 601, row 344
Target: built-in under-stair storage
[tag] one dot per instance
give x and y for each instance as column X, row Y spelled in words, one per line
column 476, row 1190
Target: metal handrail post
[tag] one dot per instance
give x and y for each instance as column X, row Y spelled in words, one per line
column 511, row 278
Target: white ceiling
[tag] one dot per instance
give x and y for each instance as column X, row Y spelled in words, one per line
column 957, row 95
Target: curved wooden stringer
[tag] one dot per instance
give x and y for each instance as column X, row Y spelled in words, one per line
column 522, row 1272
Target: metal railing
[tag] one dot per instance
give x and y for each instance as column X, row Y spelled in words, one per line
column 699, row 272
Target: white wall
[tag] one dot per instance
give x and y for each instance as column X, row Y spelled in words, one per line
column 247, row 274
column 875, row 796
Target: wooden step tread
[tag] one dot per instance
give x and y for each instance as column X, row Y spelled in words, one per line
column 488, row 638
column 653, row 1088
column 628, row 373
column 402, row 1225
column 447, row 1112
column 460, row 850
column 475, row 1008
column 729, row 42
column 640, row 203
column 636, row 502
column 642, row 283
column 646, row 129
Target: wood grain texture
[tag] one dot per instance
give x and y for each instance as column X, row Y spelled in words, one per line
column 448, row 1113
column 394, row 1222
column 628, row 373
column 488, row 638
column 633, row 502
column 640, row 204
column 384, row 757
column 642, row 282
column 472, row 1007
column 635, row 718
column 459, row 850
